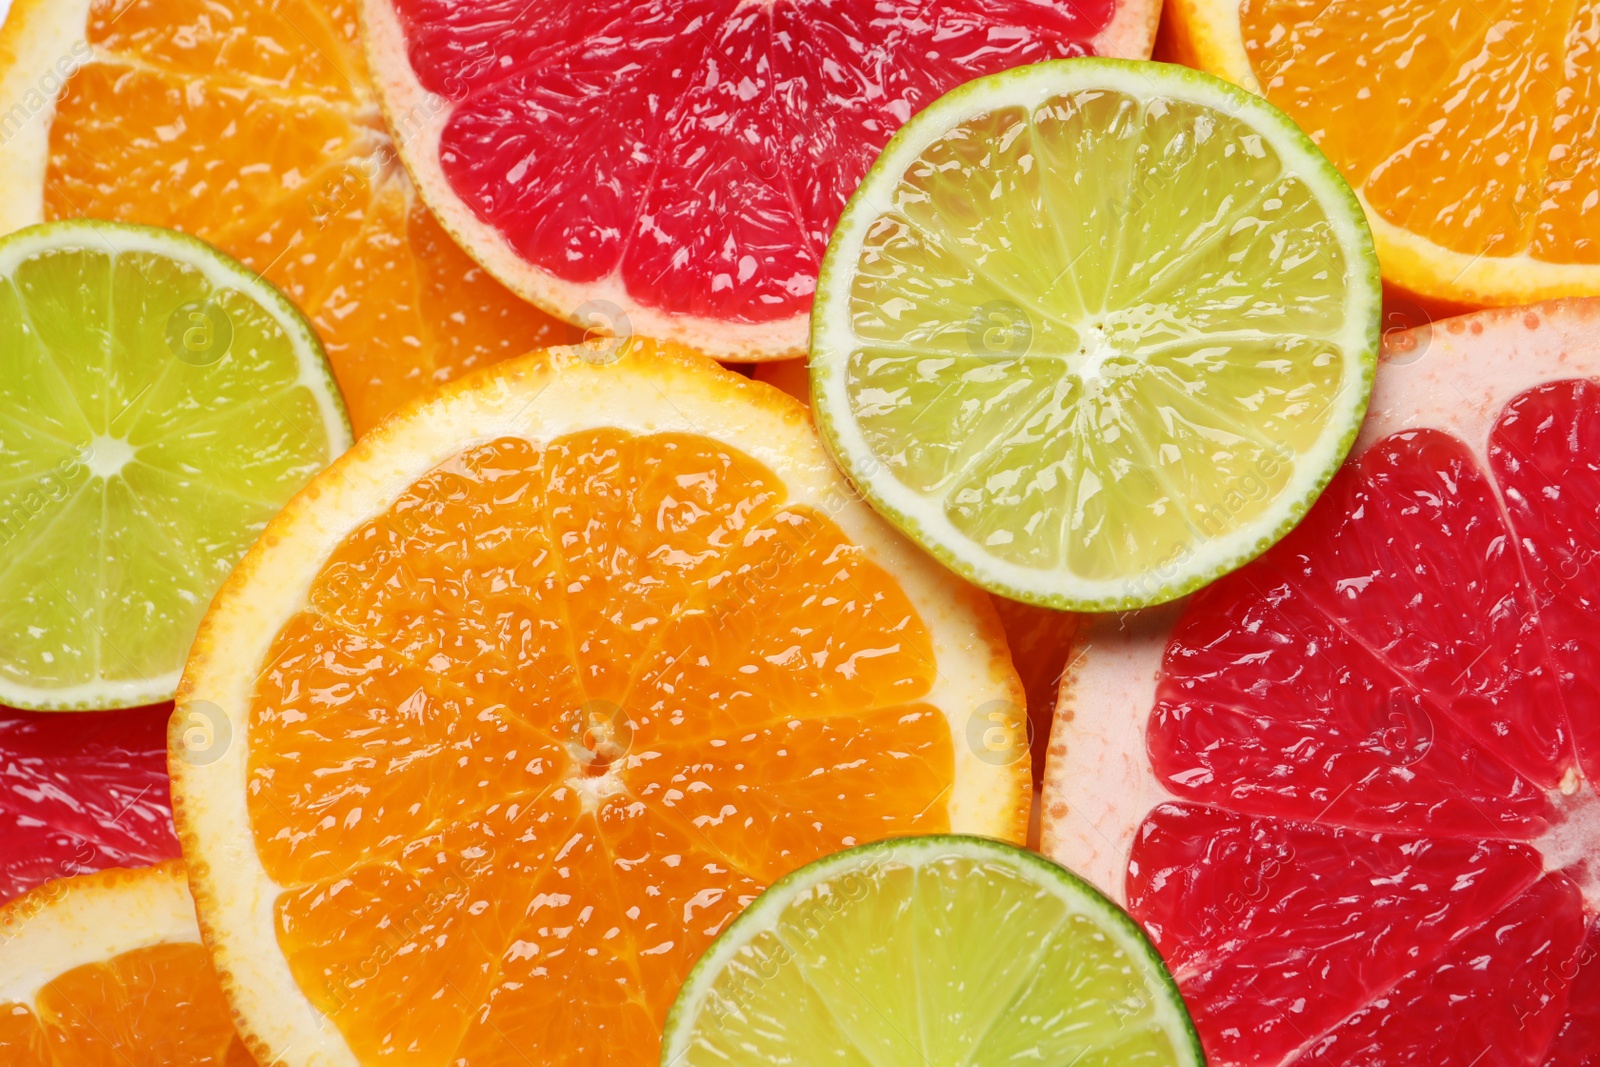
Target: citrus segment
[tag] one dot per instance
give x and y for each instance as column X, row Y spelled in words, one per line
column 1015, row 959
column 101, row 965
column 558, row 669
column 253, row 125
column 1349, row 789
column 182, row 400
column 684, row 164
column 82, row 793
column 1473, row 150
column 1122, row 374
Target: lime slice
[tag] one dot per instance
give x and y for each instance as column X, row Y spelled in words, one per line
column 1095, row 332
column 929, row 951
column 158, row 404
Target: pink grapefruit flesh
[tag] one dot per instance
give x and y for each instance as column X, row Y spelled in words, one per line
column 680, row 165
column 1349, row 789
column 82, row 793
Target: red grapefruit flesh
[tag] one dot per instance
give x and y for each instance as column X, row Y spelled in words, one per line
column 1349, row 789
column 681, row 163
column 82, row 793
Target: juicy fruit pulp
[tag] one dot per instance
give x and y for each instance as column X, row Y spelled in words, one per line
column 552, row 720
column 252, row 123
column 81, row 793
column 1125, row 371
column 932, row 951
column 158, row 999
column 1382, row 738
column 163, row 1002
column 158, row 405
column 1477, row 135
column 698, row 154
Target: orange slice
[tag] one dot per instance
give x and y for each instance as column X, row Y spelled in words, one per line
column 252, row 124
column 1467, row 129
column 108, row 968
column 537, row 687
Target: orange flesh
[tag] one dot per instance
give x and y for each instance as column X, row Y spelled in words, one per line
column 551, row 721
column 1473, row 124
column 163, row 1003
column 251, row 123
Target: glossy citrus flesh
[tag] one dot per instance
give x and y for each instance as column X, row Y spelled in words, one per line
column 81, row 793
column 699, row 153
column 1382, row 736
column 251, row 123
column 1471, row 125
column 162, row 1004
column 552, row 720
column 1094, row 331
column 934, row 952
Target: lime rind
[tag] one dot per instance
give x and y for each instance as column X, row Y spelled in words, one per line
column 1081, row 899
column 834, row 340
column 56, row 422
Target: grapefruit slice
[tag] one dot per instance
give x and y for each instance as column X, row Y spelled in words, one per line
column 1467, row 129
column 682, row 164
column 108, row 969
column 252, row 124
column 1349, row 790
column 81, row 793
column 541, row 684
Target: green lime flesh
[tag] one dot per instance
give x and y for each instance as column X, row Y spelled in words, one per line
column 931, row 951
column 159, row 403
column 1096, row 331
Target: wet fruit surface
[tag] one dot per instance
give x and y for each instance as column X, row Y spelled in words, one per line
column 251, row 124
column 730, row 137
column 81, row 793
column 1382, row 736
column 552, row 720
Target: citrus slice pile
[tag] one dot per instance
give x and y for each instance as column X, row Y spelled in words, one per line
column 684, row 163
column 1349, row 790
column 1015, row 960
column 251, row 123
column 1096, row 331
column 104, row 967
column 158, row 404
column 541, row 684
column 1466, row 128
column 80, row 793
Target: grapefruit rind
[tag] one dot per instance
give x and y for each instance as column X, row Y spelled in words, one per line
column 647, row 389
column 418, row 118
column 921, row 518
column 89, row 919
column 41, row 41
column 1206, row 34
column 1077, row 894
column 1455, row 377
column 315, row 375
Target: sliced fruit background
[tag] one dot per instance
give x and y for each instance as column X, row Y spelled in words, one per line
column 96, row 968
column 1349, row 788
column 1468, row 129
column 521, row 723
column 685, row 162
column 252, row 124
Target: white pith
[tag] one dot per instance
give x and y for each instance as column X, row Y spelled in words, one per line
column 418, row 118
column 1455, row 377
column 312, row 374
column 73, row 922
column 1409, row 260
column 833, row 339
column 538, row 398
column 766, row 913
